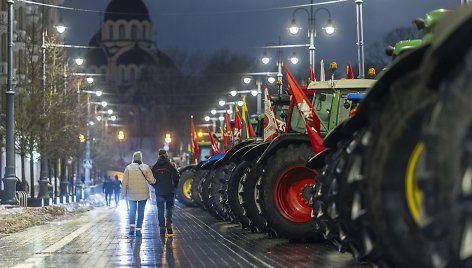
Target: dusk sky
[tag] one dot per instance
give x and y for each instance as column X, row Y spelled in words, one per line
column 245, row 25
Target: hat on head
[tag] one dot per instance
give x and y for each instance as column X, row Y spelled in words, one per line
column 162, row 152
column 138, row 156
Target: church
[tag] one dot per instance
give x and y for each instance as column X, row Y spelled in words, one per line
column 134, row 73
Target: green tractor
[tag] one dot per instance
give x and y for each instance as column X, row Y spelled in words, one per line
column 274, row 184
column 391, row 177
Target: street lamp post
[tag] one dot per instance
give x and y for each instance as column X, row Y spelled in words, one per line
column 87, row 149
column 360, row 37
column 329, row 28
column 10, row 179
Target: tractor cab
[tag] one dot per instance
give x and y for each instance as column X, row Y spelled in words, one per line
column 204, row 148
column 334, row 102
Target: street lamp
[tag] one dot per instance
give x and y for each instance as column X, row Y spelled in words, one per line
column 294, row 58
column 104, row 104
column 213, row 112
column 265, row 59
column 271, row 79
column 60, row 27
column 90, row 80
column 294, row 28
column 222, row 103
column 247, row 80
column 233, row 93
column 79, row 61
column 254, row 93
column 113, row 118
column 110, row 111
column 99, row 118
column 207, row 118
column 121, row 135
column 98, row 93
column 167, row 139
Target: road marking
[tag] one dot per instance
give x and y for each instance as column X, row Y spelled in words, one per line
column 195, row 219
column 39, row 257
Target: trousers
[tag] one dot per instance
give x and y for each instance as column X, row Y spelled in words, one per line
column 168, row 201
column 136, row 206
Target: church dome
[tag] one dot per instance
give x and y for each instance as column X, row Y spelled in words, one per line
column 126, row 10
column 136, row 56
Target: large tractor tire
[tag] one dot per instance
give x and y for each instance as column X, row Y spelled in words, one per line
column 206, row 194
column 234, row 192
column 197, row 187
column 218, row 183
column 386, row 201
column 448, row 154
column 285, row 193
column 184, row 192
column 249, row 194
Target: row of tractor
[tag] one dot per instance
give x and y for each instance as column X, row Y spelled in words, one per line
column 380, row 168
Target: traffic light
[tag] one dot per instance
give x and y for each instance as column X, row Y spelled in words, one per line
column 81, row 138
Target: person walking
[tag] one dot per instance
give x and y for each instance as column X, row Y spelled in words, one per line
column 108, row 190
column 167, row 179
column 135, row 182
column 117, row 189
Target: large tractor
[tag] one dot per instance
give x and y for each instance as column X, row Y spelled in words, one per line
column 395, row 178
column 275, row 185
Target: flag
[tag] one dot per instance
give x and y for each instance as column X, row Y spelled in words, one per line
column 248, row 131
column 194, row 139
column 214, row 150
column 312, row 73
column 224, row 139
column 271, row 128
column 237, row 126
column 312, row 122
column 322, row 71
column 349, row 72
column 228, row 129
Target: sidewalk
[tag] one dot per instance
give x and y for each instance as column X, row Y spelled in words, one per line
column 99, row 238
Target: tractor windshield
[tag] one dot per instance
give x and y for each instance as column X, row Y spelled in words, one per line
column 297, row 124
column 322, row 104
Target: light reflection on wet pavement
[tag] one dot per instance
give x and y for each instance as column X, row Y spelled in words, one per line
column 99, row 238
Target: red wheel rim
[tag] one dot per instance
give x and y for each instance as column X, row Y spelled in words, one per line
column 288, row 193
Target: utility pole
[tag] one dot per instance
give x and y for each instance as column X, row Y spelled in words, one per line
column 10, row 177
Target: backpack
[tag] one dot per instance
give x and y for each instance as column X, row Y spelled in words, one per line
column 164, row 184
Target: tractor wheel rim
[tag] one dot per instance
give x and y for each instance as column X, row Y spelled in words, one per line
column 289, row 190
column 187, row 187
column 412, row 191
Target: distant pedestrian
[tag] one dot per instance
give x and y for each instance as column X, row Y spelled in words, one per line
column 117, row 189
column 167, row 179
column 108, row 190
column 135, row 182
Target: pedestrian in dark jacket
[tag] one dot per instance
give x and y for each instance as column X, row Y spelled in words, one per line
column 167, row 179
column 117, row 189
column 108, row 189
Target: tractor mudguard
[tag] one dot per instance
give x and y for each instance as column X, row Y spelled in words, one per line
column 186, row 167
column 211, row 162
column 226, row 159
column 318, row 161
column 449, row 45
column 239, row 154
column 282, row 141
column 396, row 71
column 255, row 152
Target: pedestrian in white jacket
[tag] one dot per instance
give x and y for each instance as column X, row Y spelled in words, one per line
column 136, row 178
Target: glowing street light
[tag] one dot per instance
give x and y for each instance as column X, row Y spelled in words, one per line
column 60, row 28
column 90, row 80
column 294, row 58
column 110, row 111
column 221, row 118
column 98, row 93
column 271, row 80
column 329, row 28
column 233, row 93
column 247, row 80
column 213, row 112
column 207, row 118
column 265, row 59
column 104, row 103
column 240, row 103
column 99, row 118
column 254, row 93
column 79, row 61
column 113, row 118
column 293, row 28
column 222, row 103
column 168, row 139
column 121, row 135
column 200, row 134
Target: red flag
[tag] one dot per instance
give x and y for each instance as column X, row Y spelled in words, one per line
column 194, row 139
column 237, row 126
column 224, row 139
column 349, row 72
column 271, row 128
column 312, row 74
column 307, row 112
column 214, row 147
column 228, row 129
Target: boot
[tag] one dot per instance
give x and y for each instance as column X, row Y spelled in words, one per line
column 162, row 230
column 131, row 230
column 138, row 233
column 169, row 229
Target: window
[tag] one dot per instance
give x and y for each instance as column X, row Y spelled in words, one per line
column 123, row 75
column 110, row 32
column 121, row 32
column 322, row 104
column 134, row 32
column 132, row 75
